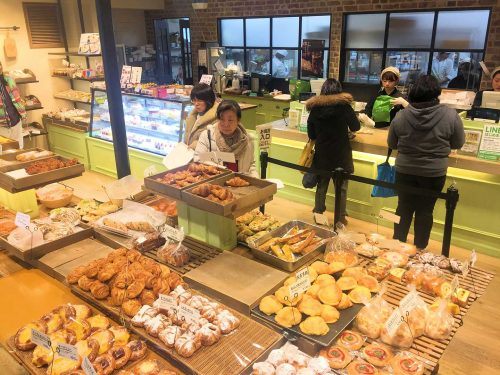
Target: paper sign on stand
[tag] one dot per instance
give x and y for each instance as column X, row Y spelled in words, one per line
column 166, row 302
column 188, row 313
column 173, row 233
column 392, row 324
column 67, row 351
column 41, row 339
column 22, row 220
column 473, row 258
column 264, row 133
column 87, row 367
column 410, row 302
column 303, row 273
column 180, row 155
column 207, row 79
column 299, row 287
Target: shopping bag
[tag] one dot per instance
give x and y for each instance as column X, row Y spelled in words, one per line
column 386, row 173
column 309, row 180
column 307, row 156
column 381, row 111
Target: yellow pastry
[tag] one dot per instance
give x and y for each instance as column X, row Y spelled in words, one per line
column 347, row 283
column 335, row 267
column 356, row 272
column 105, row 339
column 330, row 295
column 62, row 365
column 81, row 329
column 270, row 305
column 87, row 348
column 360, row 294
column 324, row 280
column 330, row 314
column 310, row 306
column 345, row 302
column 314, row 325
column 82, row 312
column 370, row 282
column 98, row 322
column 290, row 281
column 22, row 338
column 283, row 296
column 41, row 356
column 313, row 290
column 451, row 307
column 288, row 317
column 54, row 322
column 312, row 274
column 321, row 267
column 121, row 335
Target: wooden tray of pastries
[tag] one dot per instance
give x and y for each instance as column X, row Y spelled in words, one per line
column 108, row 346
column 32, row 174
column 172, row 182
column 230, row 195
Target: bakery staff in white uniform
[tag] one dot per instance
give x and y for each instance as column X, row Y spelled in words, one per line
column 280, row 70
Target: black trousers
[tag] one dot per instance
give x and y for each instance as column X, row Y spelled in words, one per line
column 422, row 206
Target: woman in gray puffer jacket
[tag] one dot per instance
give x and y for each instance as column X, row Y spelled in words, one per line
column 424, row 134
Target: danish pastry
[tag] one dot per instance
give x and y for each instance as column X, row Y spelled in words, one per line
column 88, row 348
column 337, row 357
column 99, row 290
column 138, row 348
column 285, row 369
column 94, row 267
column 161, row 286
column 81, row 329
column 105, row 339
column 359, row 367
column 54, row 322
column 157, row 324
column 82, row 312
column 22, row 338
column 62, row 365
column 117, row 296
column 405, row 363
column 120, row 334
column 131, row 307
column 104, row 364
column 145, row 313
column 147, row 297
column 227, row 322
column 209, row 334
column 135, row 288
column 169, row 335
column 121, row 354
column 148, row 367
column 75, row 274
column 186, row 345
column 123, row 279
column 107, row 272
column 350, row 340
column 98, row 322
column 84, row 283
column 377, row 355
column 263, row 368
column 42, row 356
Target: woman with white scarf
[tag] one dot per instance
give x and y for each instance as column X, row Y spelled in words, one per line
column 229, row 135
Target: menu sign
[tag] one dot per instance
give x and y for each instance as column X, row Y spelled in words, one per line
column 490, row 143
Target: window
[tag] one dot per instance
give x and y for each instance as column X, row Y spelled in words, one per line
column 274, row 45
column 43, row 22
column 447, row 44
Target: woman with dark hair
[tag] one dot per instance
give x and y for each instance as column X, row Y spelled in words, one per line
column 203, row 114
column 229, row 135
column 424, row 135
column 495, row 86
column 330, row 119
column 389, row 79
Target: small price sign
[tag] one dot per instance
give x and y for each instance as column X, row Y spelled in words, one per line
column 166, row 302
column 410, row 302
column 303, row 273
column 67, row 351
column 87, row 367
column 473, row 258
column 454, row 284
column 265, row 137
column 22, row 220
column 174, row 233
column 466, row 269
column 392, row 324
column 207, row 79
column 41, row 339
column 299, row 287
column 188, row 313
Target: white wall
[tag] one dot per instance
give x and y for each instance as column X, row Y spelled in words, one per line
column 11, row 13
column 129, row 26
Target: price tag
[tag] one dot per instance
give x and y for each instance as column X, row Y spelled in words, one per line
column 299, row 287
column 207, row 79
column 304, row 272
column 264, row 132
column 466, row 269
column 188, row 313
column 67, row 351
column 173, row 233
column 41, row 339
column 410, row 302
column 389, row 216
column 454, row 284
column 149, row 171
column 392, row 324
column 22, row 220
column 87, row 367
column 473, row 258
column 166, row 302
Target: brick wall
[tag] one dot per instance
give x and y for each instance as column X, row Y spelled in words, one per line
column 204, row 22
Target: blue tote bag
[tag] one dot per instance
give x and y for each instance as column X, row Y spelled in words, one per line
column 386, row 173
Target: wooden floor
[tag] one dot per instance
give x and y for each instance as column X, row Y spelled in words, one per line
column 473, row 350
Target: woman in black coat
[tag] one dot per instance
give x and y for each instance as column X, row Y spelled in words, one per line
column 330, row 119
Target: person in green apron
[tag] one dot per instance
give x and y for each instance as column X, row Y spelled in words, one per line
column 389, row 100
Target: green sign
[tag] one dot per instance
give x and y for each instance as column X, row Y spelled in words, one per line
column 490, row 143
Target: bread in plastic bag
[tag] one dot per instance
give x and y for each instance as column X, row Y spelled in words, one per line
column 402, row 338
column 440, row 322
column 25, row 239
column 175, row 254
column 371, row 318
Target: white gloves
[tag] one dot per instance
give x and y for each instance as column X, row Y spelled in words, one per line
column 399, row 101
column 363, row 118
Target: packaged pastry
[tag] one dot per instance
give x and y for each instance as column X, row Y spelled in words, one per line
column 350, row 340
column 337, row 356
column 360, row 367
column 377, row 354
column 439, row 323
column 396, row 259
column 405, row 363
column 402, row 338
column 175, row 254
column 373, row 315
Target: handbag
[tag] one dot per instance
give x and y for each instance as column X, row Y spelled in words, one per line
column 381, row 111
column 386, row 173
column 309, row 180
column 307, row 156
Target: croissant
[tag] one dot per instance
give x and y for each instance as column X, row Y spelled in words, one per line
column 237, row 182
column 202, row 190
column 99, row 290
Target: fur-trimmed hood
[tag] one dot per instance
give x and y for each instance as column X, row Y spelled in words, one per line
column 329, row 100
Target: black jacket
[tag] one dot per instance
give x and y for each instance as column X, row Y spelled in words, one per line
column 330, row 119
column 369, row 106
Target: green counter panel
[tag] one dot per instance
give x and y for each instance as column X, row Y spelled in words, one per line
column 102, row 159
column 477, row 218
column 68, row 143
column 267, row 110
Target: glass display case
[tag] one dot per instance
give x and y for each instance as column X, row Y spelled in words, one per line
column 153, row 124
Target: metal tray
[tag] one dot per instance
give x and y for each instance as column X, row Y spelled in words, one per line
column 15, row 185
column 346, row 318
column 171, row 191
column 246, row 198
column 278, row 232
column 40, row 251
